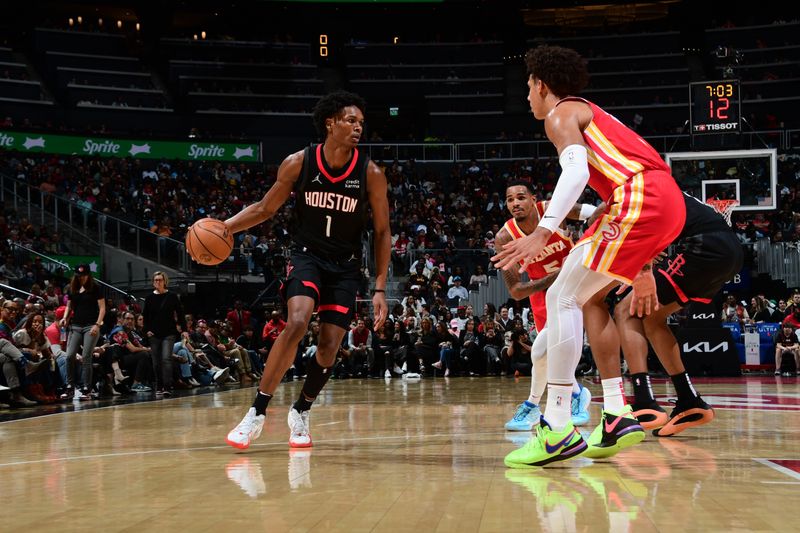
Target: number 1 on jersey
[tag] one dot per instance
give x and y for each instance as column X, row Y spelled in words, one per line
column 328, row 226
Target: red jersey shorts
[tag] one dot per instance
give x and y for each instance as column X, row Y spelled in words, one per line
column 643, row 217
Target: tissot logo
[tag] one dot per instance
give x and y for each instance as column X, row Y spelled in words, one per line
column 703, row 316
column 705, row 347
column 717, row 127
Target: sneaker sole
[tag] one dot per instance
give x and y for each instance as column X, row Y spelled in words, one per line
column 625, row 441
column 576, row 450
column 659, row 418
column 679, row 423
column 580, row 420
column 301, row 445
column 518, row 428
column 237, row 445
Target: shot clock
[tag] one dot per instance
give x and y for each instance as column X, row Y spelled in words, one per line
column 715, row 107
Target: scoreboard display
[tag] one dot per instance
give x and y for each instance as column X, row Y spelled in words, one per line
column 715, row 107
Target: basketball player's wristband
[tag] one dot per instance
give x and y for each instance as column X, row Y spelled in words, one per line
column 379, row 290
column 574, row 177
column 587, row 210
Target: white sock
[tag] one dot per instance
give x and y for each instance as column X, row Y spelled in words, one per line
column 558, row 412
column 538, row 380
column 117, row 371
column 613, row 395
column 576, row 389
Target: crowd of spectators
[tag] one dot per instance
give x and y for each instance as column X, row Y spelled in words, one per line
column 444, row 224
column 761, row 310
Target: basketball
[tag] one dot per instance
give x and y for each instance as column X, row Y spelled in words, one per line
column 209, row 241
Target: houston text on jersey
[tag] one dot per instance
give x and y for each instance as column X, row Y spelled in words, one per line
column 330, row 200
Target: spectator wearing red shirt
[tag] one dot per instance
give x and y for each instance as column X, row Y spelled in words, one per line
column 238, row 318
column 272, row 329
column 53, row 332
column 400, row 250
column 793, row 319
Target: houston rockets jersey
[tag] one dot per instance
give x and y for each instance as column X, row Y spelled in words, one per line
column 330, row 210
column 548, row 261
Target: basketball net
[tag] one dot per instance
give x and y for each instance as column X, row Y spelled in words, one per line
column 723, row 207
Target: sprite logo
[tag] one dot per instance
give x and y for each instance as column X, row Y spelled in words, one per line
column 106, row 147
column 212, row 151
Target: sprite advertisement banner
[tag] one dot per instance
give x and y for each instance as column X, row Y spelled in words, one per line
column 136, row 148
column 72, row 261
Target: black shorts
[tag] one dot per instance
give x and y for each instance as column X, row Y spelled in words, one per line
column 332, row 284
column 702, row 265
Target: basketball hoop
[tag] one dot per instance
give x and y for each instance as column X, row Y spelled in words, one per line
column 723, row 207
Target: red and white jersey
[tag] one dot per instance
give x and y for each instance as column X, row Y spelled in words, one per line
column 645, row 208
column 616, row 153
column 548, row 261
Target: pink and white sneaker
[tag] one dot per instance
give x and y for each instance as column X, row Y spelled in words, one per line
column 298, row 425
column 248, row 430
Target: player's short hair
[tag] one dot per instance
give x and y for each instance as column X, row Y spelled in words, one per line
column 563, row 70
column 521, row 183
column 332, row 104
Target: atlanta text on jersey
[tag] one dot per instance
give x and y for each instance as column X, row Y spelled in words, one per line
column 550, row 249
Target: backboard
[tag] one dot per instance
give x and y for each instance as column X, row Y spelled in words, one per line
column 749, row 176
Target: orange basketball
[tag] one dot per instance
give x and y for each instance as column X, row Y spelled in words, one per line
column 209, row 241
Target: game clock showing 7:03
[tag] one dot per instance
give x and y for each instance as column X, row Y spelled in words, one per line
column 715, row 107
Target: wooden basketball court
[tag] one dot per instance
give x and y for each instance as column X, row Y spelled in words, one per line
column 397, row 456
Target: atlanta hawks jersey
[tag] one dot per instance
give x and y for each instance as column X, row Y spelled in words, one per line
column 616, row 153
column 645, row 209
column 548, row 261
column 330, row 210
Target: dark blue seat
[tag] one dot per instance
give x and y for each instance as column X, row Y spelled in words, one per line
column 736, row 330
column 766, row 334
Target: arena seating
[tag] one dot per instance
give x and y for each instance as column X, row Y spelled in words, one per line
column 114, row 78
column 232, row 76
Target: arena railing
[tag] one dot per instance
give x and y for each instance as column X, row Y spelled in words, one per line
column 792, row 139
column 93, row 229
column 107, row 288
column 466, row 258
column 780, row 260
column 443, row 152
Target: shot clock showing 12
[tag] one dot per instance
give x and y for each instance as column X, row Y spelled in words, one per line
column 715, row 107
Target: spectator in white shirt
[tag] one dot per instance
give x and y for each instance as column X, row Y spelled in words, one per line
column 457, row 290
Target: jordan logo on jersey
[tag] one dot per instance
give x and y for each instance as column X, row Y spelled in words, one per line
column 330, row 200
column 318, row 179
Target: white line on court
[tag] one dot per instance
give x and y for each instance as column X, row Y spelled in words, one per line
column 782, row 469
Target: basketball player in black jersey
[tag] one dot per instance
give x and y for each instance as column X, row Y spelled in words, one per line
column 708, row 255
column 333, row 183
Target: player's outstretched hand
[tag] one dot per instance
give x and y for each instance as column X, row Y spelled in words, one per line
column 644, row 298
column 520, row 251
column 379, row 310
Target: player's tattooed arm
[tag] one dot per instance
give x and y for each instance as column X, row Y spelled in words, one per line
column 516, row 287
